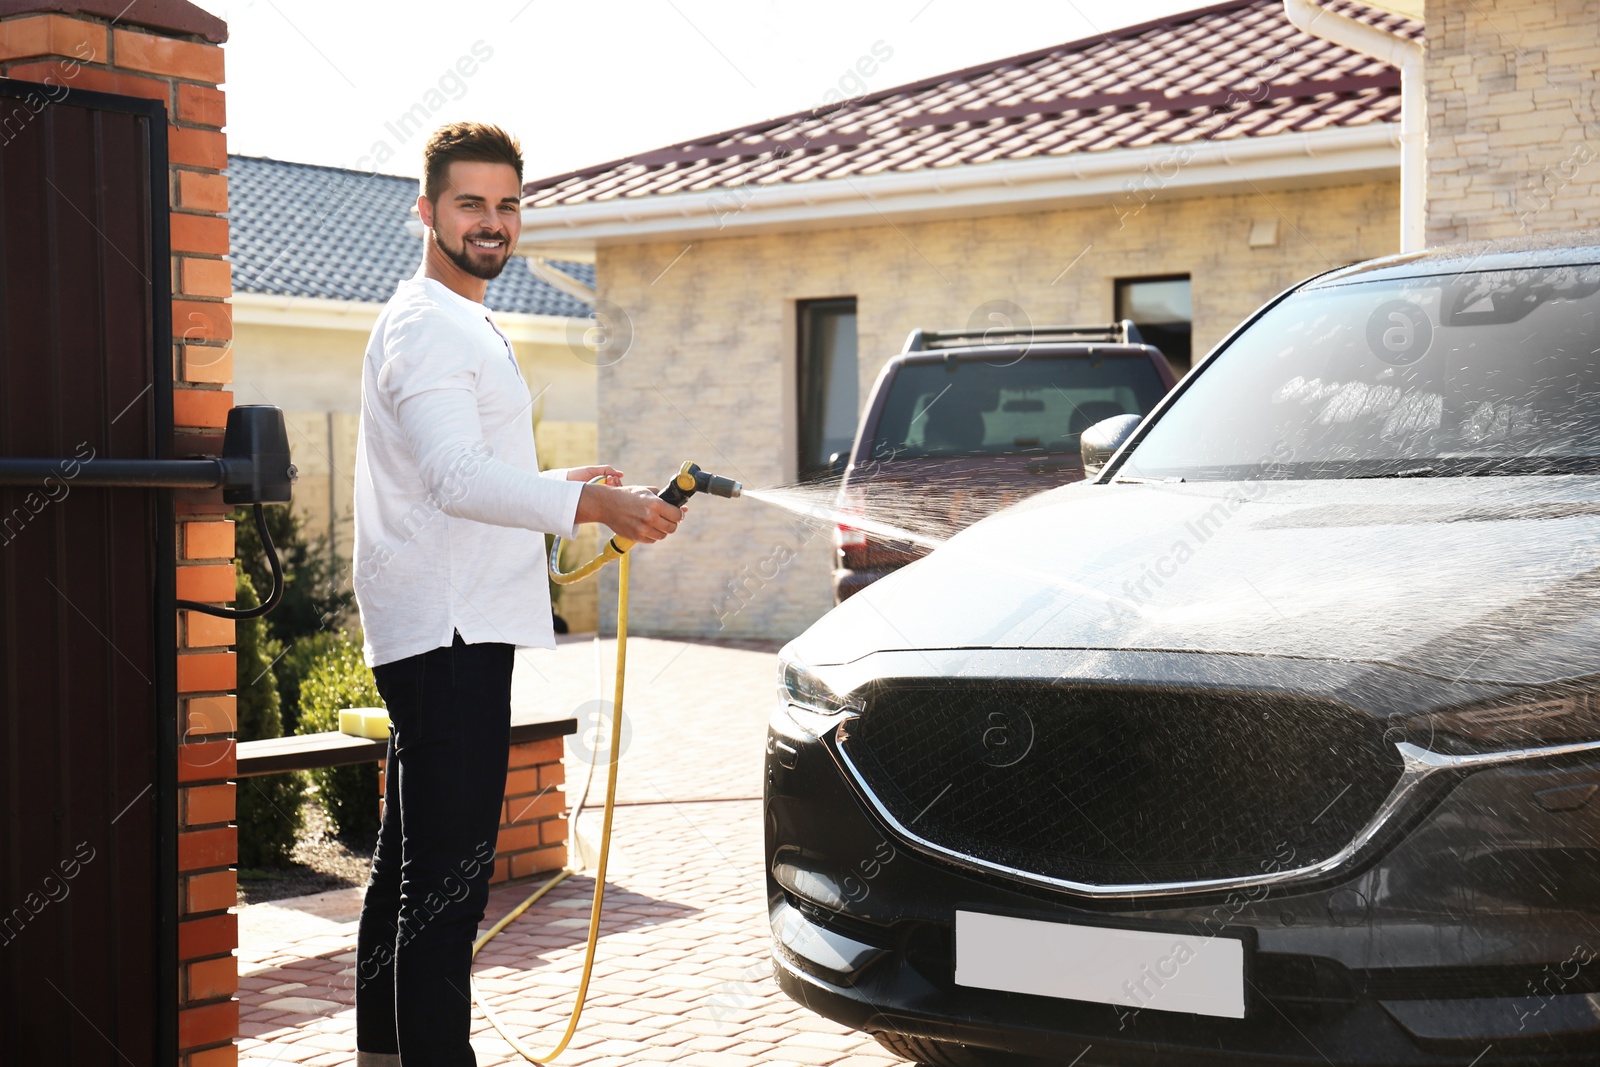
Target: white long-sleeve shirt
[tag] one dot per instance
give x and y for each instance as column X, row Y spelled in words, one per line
column 450, row 506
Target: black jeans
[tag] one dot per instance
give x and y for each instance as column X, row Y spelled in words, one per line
column 450, row 716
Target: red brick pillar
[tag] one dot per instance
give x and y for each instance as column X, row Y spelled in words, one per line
column 168, row 50
column 533, row 820
column 533, row 817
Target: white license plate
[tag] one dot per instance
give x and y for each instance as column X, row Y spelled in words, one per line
column 1127, row 968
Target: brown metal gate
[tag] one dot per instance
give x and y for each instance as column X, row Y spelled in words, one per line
column 88, row 854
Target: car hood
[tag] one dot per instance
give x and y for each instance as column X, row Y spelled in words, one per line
column 1473, row 579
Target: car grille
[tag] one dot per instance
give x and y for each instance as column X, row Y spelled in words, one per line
column 1121, row 786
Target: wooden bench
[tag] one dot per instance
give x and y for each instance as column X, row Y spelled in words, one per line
column 533, row 822
column 302, row 752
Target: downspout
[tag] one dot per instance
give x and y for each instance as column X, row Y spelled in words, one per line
column 1399, row 52
column 547, row 272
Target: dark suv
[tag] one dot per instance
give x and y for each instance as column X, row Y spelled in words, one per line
column 978, row 420
column 1278, row 742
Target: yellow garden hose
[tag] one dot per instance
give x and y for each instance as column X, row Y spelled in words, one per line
column 618, row 552
column 689, row 480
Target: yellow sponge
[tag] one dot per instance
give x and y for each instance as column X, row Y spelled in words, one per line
column 365, row 722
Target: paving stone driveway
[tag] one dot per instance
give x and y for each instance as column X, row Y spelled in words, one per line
column 683, row 973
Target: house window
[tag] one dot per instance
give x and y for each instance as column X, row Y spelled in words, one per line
column 1160, row 308
column 829, row 391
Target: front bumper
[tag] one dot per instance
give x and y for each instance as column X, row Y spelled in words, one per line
column 898, row 999
column 1473, row 938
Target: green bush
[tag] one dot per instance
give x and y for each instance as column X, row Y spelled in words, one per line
column 311, row 601
column 307, row 619
column 268, row 805
column 339, row 679
column 292, row 669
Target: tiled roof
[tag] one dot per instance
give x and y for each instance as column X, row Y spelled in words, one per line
column 304, row 230
column 1229, row 71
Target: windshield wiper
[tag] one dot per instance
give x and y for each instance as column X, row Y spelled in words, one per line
column 1408, row 472
column 1478, row 470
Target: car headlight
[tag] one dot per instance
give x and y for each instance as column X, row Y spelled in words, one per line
column 809, row 702
column 1500, row 727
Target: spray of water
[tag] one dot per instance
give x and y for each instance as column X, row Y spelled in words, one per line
column 921, row 521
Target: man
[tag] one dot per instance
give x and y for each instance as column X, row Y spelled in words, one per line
column 450, row 517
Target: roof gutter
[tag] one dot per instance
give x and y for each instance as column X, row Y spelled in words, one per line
column 558, row 279
column 1125, row 180
column 1407, row 55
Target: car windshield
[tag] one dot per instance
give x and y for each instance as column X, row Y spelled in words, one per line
column 1036, row 404
column 1494, row 372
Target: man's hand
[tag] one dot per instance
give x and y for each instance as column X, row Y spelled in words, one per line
column 583, row 474
column 633, row 511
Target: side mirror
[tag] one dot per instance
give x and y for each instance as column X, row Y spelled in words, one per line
column 1101, row 441
column 837, row 462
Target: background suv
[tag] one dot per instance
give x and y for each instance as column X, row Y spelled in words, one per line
column 975, row 421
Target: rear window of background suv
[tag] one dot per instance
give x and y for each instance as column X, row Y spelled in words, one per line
column 972, row 407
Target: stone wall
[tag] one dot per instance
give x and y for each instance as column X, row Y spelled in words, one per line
column 1513, row 145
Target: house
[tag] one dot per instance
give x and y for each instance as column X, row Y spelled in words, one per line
column 1178, row 173
column 316, row 251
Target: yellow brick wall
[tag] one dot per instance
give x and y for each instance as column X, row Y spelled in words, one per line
column 709, row 374
column 1512, row 102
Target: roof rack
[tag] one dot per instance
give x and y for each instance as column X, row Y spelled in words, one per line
column 1117, row 333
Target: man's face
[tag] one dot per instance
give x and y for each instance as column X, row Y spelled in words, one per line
column 477, row 218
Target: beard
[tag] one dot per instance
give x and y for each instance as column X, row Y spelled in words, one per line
column 463, row 256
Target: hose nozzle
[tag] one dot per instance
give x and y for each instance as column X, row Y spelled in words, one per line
column 691, row 479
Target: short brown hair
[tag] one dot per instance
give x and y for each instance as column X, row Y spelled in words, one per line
column 466, row 142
